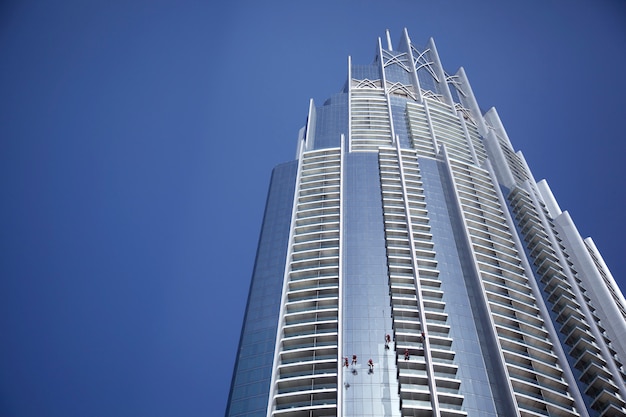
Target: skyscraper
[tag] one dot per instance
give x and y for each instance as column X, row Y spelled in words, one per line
column 410, row 265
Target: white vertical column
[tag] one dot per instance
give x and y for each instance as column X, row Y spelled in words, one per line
column 597, row 288
column 281, row 314
column 493, row 118
column 469, row 101
column 566, row 223
column 430, row 127
column 389, row 45
column 548, row 199
column 349, row 103
column 383, row 80
column 438, row 68
column 309, row 139
column 342, row 170
column 498, row 159
column 432, row 386
column 541, row 305
column 490, row 327
column 468, row 139
column 405, row 45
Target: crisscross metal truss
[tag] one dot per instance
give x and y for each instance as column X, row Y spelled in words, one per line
column 365, row 84
column 454, row 80
column 401, row 89
column 420, row 59
column 402, row 60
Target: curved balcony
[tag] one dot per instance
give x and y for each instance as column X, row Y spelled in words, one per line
column 309, row 342
column 320, row 328
column 307, row 403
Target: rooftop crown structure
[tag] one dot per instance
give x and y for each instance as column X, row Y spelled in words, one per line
column 410, row 265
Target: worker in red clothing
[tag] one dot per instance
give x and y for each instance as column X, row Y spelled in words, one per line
column 345, row 361
column 370, row 363
column 387, row 340
column 353, row 359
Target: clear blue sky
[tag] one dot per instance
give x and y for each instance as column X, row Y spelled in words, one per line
column 136, row 144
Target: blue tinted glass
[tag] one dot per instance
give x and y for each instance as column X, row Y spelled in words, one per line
column 427, row 82
column 455, row 93
column 251, row 380
column 396, row 74
column 331, row 122
column 366, row 301
column 400, row 122
column 453, row 263
column 362, row 72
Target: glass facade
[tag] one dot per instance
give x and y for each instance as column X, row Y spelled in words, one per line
column 409, row 265
column 366, row 304
column 253, row 369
